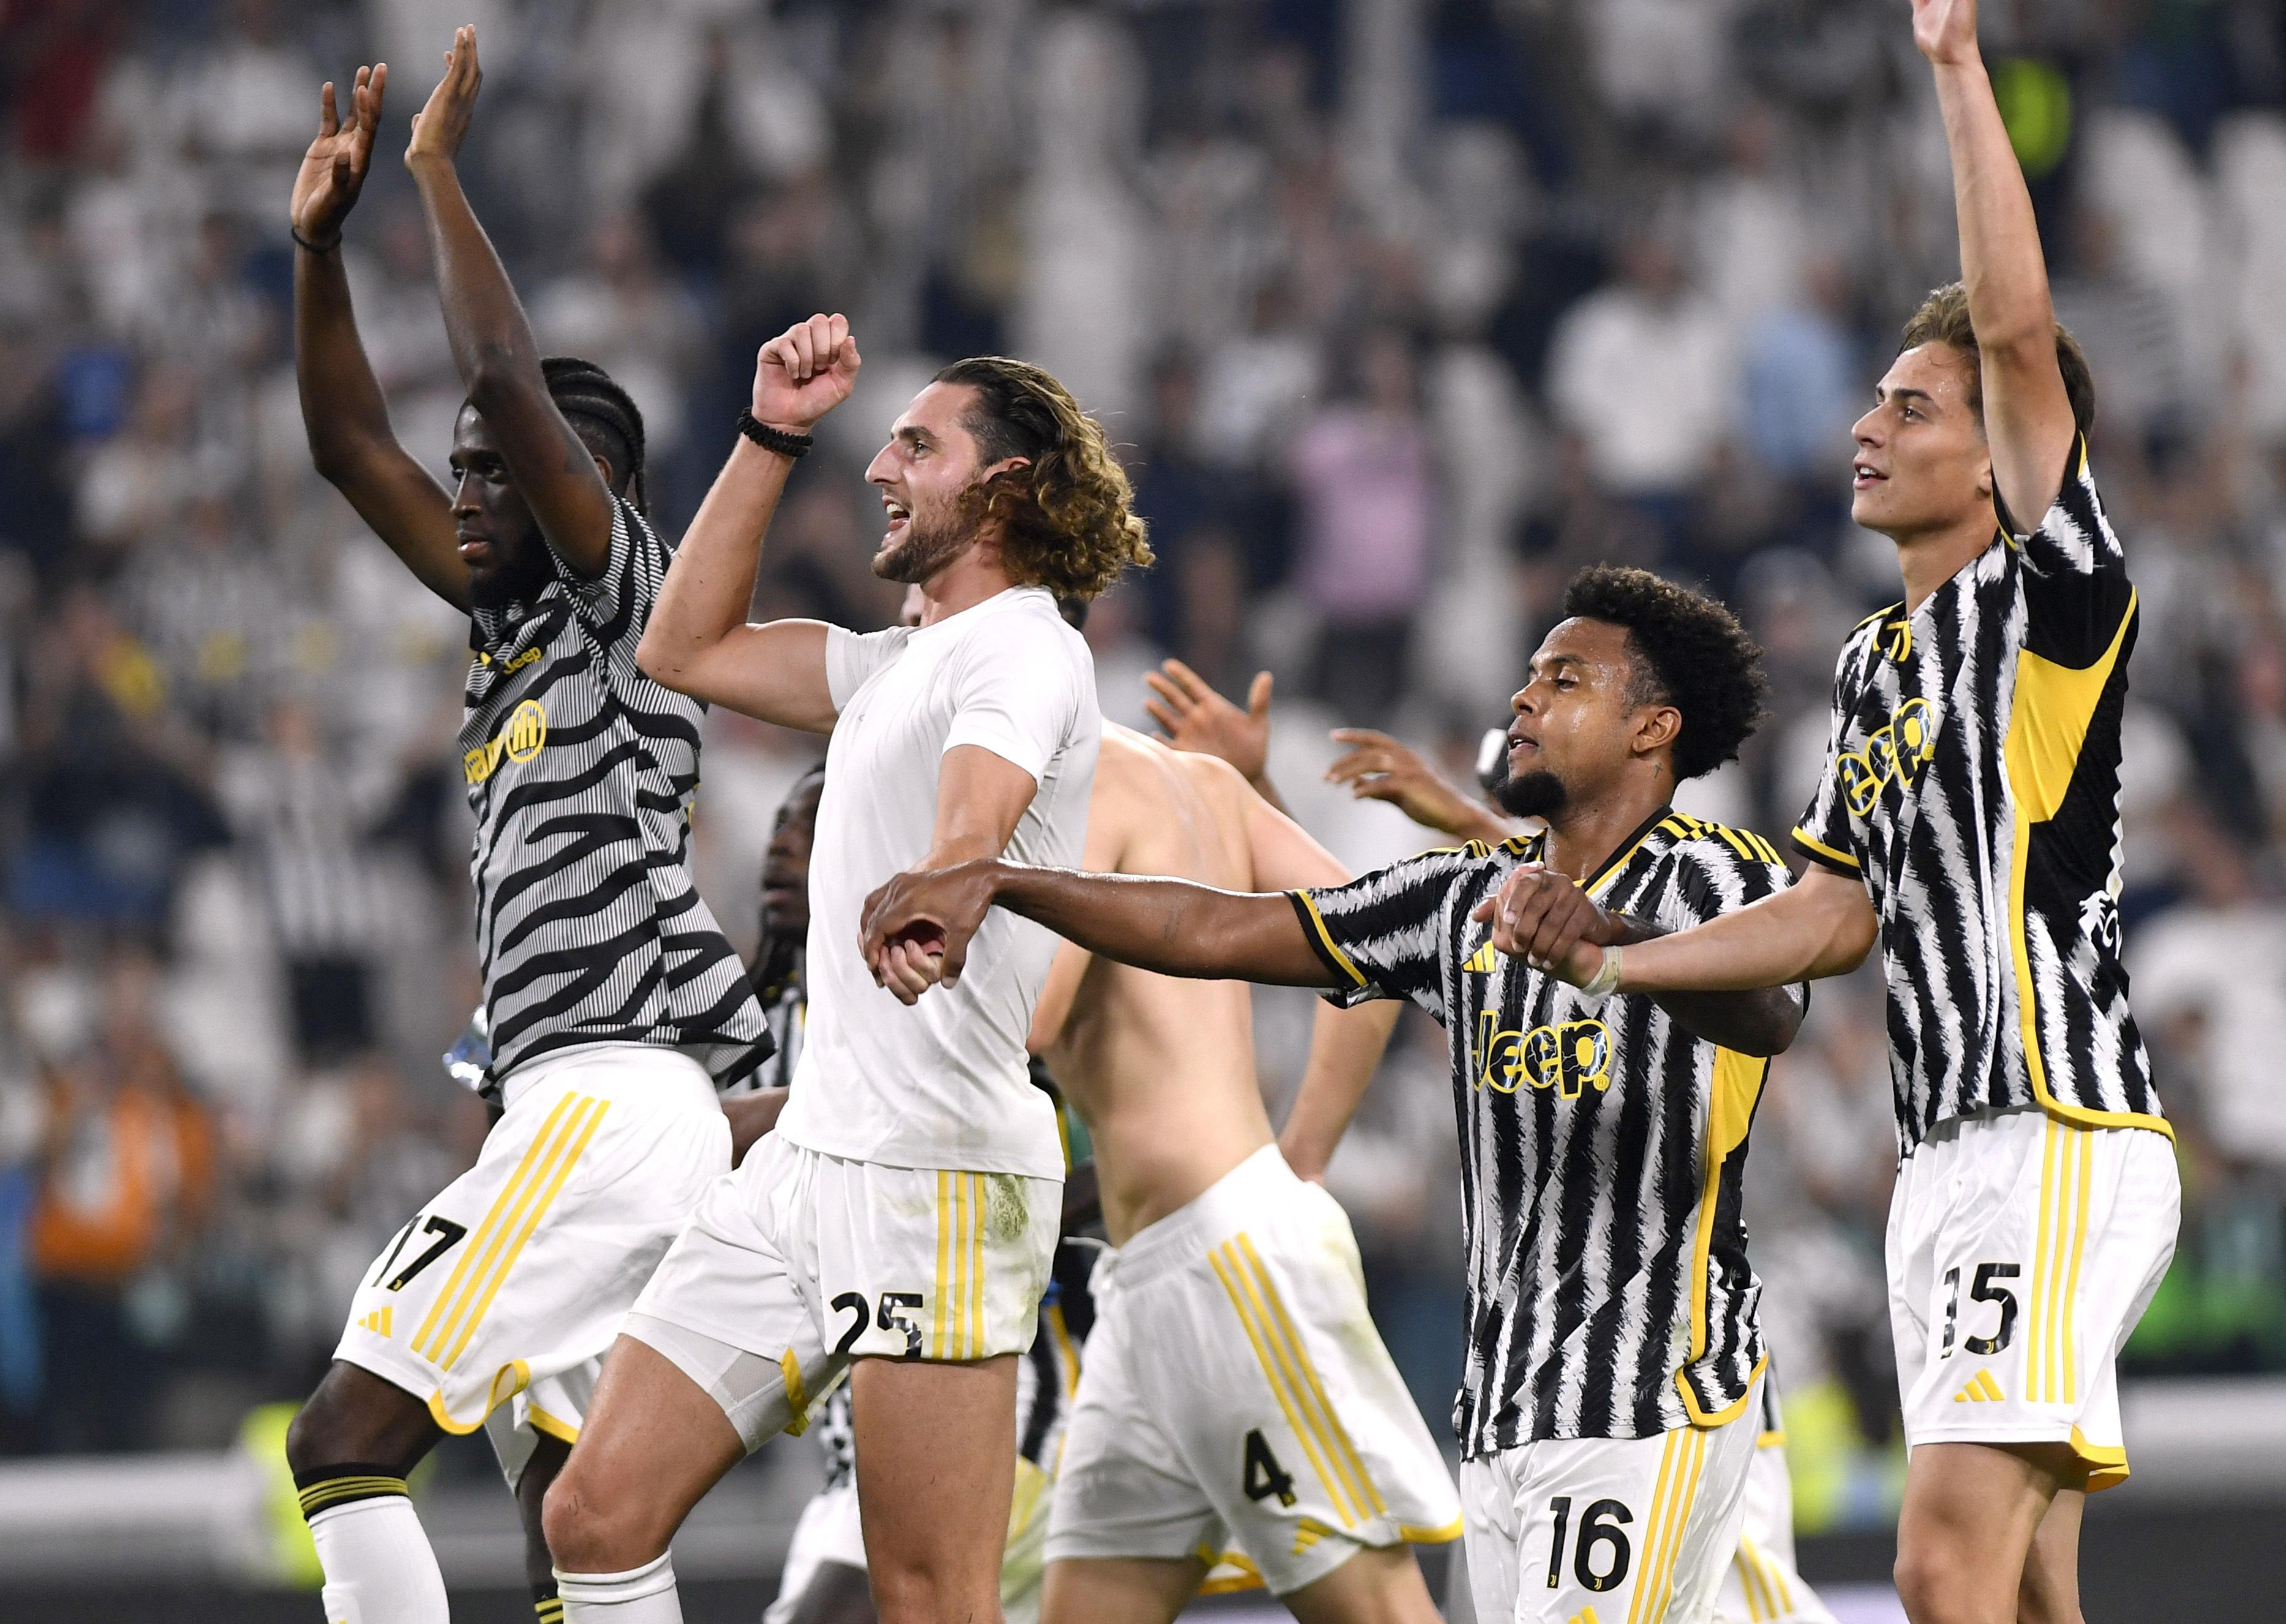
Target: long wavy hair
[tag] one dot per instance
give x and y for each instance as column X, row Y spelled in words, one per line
column 1064, row 516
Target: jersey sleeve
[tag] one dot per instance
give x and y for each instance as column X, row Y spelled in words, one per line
column 852, row 658
column 619, row 599
column 1824, row 833
column 1382, row 935
column 1018, row 694
column 2076, row 595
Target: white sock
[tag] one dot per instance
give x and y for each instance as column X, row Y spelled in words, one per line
column 379, row 1567
column 642, row 1595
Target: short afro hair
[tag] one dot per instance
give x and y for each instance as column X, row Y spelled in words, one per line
column 1687, row 651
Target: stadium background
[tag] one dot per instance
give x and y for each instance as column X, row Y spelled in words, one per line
column 1402, row 310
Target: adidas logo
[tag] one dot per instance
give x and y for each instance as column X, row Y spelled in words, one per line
column 1481, row 961
column 1585, row 1615
column 377, row 1322
column 1982, row 1389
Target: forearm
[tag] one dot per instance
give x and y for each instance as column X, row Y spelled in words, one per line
column 1169, row 926
column 2001, row 262
column 344, row 410
column 491, row 341
column 1796, row 935
column 1756, row 1020
column 711, row 583
column 751, row 1116
column 1345, row 1051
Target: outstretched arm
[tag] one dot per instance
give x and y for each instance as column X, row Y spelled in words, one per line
column 1822, row 924
column 698, row 641
column 916, row 929
column 1735, row 994
column 343, row 410
column 491, row 341
column 2027, row 417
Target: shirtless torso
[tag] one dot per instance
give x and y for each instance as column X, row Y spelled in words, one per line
column 1162, row 1071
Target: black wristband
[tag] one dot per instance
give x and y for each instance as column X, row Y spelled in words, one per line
column 773, row 439
column 312, row 246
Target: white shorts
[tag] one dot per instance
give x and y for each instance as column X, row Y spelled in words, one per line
column 1236, row 1404
column 1762, row 1586
column 798, row 1262
column 499, row 1299
column 1608, row 1531
column 2021, row 1250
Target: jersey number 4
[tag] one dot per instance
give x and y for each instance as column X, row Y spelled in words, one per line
column 1264, row 1477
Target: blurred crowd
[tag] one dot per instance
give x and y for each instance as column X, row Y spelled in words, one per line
column 1400, row 311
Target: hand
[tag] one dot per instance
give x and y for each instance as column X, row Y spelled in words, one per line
column 1377, row 767
column 804, row 373
column 439, row 128
column 1542, row 916
column 914, row 932
column 1201, row 721
column 1945, row 30
column 333, row 170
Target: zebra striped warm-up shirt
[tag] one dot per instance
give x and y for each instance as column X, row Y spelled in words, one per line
column 1973, row 786
column 580, row 772
column 1602, row 1149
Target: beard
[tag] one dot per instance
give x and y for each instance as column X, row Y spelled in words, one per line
column 930, row 543
column 1538, row 793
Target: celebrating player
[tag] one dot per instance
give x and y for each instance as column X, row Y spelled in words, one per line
column 1607, row 1419
column 1969, row 823
column 1237, row 1405
column 904, row 1212
column 611, row 996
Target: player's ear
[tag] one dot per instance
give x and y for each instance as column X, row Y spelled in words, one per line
column 1657, row 727
column 604, row 467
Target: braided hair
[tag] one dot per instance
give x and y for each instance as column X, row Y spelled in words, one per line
column 606, row 418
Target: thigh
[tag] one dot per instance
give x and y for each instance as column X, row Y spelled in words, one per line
column 936, row 1466
column 655, row 1442
column 1119, row 1589
column 1966, row 1529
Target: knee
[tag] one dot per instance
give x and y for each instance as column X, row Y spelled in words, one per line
column 1936, row 1589
column 589, row 1530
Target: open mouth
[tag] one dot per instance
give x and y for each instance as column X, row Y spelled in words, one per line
column 1864, row 476
column 899, row 514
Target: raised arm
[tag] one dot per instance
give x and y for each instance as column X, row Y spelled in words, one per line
column 2027, row 417
column 492, row 345
column 1377, row 767
column 698, row 641
column 919, row 924
column 343, row 410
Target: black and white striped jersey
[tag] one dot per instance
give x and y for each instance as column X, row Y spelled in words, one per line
column 1602, row 1149
column 1973, row 786
column 580, row 771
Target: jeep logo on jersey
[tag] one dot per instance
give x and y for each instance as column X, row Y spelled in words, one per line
column 520, row 740
column 1565, row 1056
column 1897, row 754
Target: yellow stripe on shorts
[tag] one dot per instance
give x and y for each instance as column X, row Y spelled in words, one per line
column 1293, row 1379
column 957, row 1318
column 2066, row 1173
column 1680, row 1461
column 507, row 1226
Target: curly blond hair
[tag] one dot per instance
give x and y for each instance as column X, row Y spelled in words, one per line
column 1064, row 516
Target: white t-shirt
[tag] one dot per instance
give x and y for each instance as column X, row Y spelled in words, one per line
column 941, row 1083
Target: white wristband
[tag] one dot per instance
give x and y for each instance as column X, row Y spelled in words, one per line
column 1606, row 978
